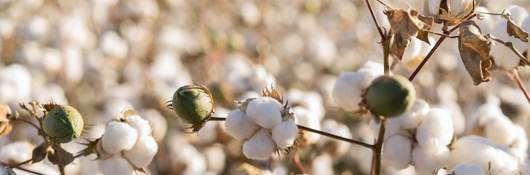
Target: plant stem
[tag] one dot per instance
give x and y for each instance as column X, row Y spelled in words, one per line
column 379, row 29
column 378, row 149
column 316, row 131
column 515, row 77
column 61, row 169
column 28, row 170
column 19, row 164
column 335, row 136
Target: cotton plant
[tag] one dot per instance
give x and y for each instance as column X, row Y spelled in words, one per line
column 127, row 145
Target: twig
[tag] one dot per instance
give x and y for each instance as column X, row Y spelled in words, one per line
column 28, row 170
column 335, row 136
column 19, row 164
column 379, row 29
column 316, row 131
column 510, row 45
column 384, row 4
column 515, row 77
column 437, row 45
column 378, row 149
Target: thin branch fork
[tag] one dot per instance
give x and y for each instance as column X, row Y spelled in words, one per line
column 514, row 74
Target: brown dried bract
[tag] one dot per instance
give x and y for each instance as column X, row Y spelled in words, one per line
column 474, row 50
column 516, row 31
column 404, row 25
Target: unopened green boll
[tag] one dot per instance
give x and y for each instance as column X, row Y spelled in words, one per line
column 193, row 103
column 63, row 123
column 389, row 96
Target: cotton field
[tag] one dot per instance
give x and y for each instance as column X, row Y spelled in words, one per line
column 251, row 87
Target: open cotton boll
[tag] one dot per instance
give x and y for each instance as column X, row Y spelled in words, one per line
column 480, row 151
column 517, row 13
column 216, row 158
column 520, row 144
column 143, row 151
column 309, row 100
column 260, row 146
column 115, row 165
column 484, row 113
column 437, row 126
column 339, row 129
column 397, row 151
column 457, row 116
column 433, row 7
column 16, row 151
column 392, row 127
column 459, row 6
column 430, row 158
column 486, row 22
column 260, row 78
column 500, row 131
column 141, row 125
column 265, row 111
column 347, row 91
column 285, row 133
column 307, row 119
column 118, row 136
column 468, row 169
column 323, row 164
column 239, row 126
column 413, row 117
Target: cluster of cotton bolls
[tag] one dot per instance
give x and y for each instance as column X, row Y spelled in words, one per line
column 127, row 145
column 264, row 125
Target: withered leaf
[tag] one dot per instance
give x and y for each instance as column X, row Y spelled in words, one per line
column 474, row 50
column 516, row 31
column 404, row 24
column 5, row 125
column 423, row 34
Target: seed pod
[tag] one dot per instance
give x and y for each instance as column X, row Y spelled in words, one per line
column 63, row 123
column 194, row 104
column 390, row 96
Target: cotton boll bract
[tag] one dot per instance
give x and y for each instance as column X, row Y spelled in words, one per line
column 260, row 146
column 239, row 126
column 265, row 111
column 115, row 165
column 436, row 128
column 397, row 151
column 118, row 136
column 284, row 134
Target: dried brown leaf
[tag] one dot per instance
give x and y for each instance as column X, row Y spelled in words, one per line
column 398, row 45
column 423, row 34
column 516, row 31
column 5, row 125
column 474, row 50
column 59, row 156
column 404, row 25
column 39, row 153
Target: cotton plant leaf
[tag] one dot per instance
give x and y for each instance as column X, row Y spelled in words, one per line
column 398, row 45
column 516, row 31
column 423, row 34
column 474, row 50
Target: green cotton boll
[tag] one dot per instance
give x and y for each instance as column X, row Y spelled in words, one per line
column 390, row 96
column 63, row 123
column 193, row 103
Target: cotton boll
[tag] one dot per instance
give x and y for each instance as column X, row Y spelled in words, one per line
column 413, row 117
column 141, row 125
column 486, row 22
column 307, row 119
column 397, row 151
column 260, row 78
column 259, row 147
column 457, row 116
column 143, row 151
column 520, row 144
column 208, row 133
column 250, row 13
column 309, row 100
column 429, row 159
column 16, row 152
column 331, row 126
column 348, row 88
column 480, row 151
column 433, row 7
column 113, row 45
column 322, row 49
column 239, row 126
column 265, row 111
column 284, row 134
column 323, row 164
column 458, row 7
column 437, row 127
column 115, row 165
column 216, row 158
column 468, row 169
column 500, row 131
column 484, row 113
column 118, row 136
column 158, row 123
column 392, row 127
column 377, row 68
column 16, row 83
column 517, row 13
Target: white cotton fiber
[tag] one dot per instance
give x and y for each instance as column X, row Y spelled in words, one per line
column 143, row 151
column 413, row 117
column 468, row 169
column 115, row 165
column 260, row 146
column 141, row 125
column 429, row 159
column 265, row 111
column 436, row 127
column 284, row 134
column 118, row 136
column 397, row 151
column 239, row 126
column 500, row 130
